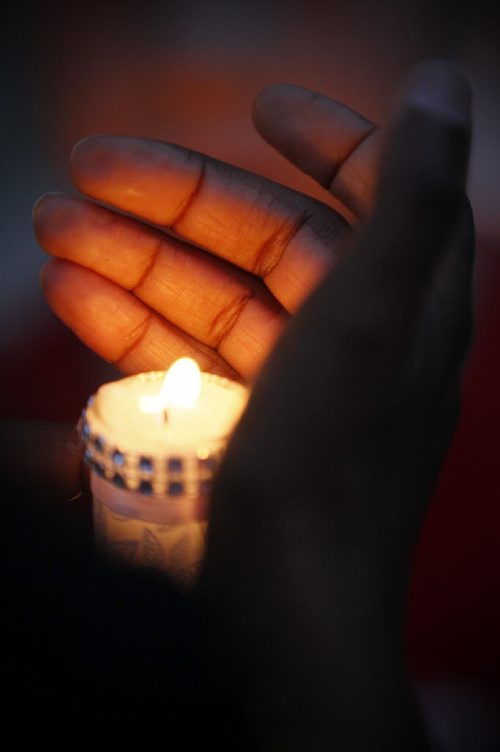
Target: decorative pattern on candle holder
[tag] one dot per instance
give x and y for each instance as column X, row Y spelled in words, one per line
column 180, row 475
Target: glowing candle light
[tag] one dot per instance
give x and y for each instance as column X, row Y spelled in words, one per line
column 153, row 442
column 181, row 388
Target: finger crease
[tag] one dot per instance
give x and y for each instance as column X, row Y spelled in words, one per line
column 225, row 321
column 272, row 250
column 149, row 266
column 135, row 339
column 350, row 153
column 187, row 204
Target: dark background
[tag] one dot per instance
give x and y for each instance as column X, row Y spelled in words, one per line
column 187, row 72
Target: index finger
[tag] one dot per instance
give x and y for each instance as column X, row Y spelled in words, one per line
column 284, row 237
column 372, row 305
column 324, row 138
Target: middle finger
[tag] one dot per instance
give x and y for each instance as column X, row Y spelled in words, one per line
column 284, row 237
column 217, row 304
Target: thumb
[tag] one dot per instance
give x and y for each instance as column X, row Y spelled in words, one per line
column 422, row 180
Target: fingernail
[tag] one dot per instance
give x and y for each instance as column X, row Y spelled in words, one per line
column 44, row 273
column 440, row 87
column 42, row 199
column 88, row 142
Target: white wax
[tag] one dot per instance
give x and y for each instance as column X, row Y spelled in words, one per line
column 116, row 408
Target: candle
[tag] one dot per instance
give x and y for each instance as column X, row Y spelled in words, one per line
column 153, row 442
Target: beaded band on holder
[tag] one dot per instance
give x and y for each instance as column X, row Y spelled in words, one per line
column 182, row 475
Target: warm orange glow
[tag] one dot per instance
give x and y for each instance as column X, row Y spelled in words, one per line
column 180, row 388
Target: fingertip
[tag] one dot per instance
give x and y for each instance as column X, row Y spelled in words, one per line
column 442, row 89
column 268, row 97
column 43, row 216
column 87, row 144
column 43, row 205
column 47, row 216
column 423, row 177
column 286, row 116
column 42, row 202
column 48, row 274
column 279, row 104
column 43, row 274
column 426, row 156
column 92, row 160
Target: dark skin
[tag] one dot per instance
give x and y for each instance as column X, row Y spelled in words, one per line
column 318, row 504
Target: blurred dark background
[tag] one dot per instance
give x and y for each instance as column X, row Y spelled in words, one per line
column 187, row 72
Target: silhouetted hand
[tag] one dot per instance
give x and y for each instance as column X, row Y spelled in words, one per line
column 326, row 481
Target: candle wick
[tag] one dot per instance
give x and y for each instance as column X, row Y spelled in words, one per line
column 165, row 416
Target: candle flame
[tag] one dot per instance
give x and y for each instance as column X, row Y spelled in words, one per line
column 182, row 384
column 181, row 388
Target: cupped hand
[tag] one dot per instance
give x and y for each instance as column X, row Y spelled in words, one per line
column 324, row 486
column 319, row 500
column 210, row 260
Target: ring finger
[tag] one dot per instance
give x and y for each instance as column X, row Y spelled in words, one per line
column 213, row 302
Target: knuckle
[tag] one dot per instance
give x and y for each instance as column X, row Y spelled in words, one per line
column 133, row 340
column 148, row 268
column 187, row 205
column 224, row 322
column 271, row 251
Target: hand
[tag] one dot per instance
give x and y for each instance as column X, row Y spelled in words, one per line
column 141, row 297
column 247, row 251
column 325, row 483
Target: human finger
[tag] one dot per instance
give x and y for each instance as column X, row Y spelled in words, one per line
column 334, row 373
column 213, row 302
column 420, row 197
column 335, row 516
column 118, row 326
column 324, row 138
column 371, row 305
column 444, row 330
column 284, row 237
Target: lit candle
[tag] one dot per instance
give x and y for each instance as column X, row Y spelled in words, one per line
column 153, row 442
